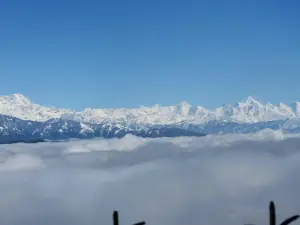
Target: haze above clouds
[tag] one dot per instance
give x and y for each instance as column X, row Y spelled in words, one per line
column 211, row 180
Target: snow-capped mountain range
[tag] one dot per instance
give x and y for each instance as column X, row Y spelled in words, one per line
column 20, row 119
column 247, row 111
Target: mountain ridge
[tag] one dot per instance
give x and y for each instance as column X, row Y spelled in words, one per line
column 14, row 130
column 22, row 120
column 250, row 110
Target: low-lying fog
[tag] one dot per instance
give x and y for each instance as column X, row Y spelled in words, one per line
column 211, row 180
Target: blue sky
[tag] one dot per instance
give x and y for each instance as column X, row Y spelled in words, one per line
column 120, row 53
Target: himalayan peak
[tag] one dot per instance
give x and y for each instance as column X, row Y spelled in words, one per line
column 250, row 110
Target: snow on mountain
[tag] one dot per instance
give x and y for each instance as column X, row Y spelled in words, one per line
column 85, row 129
column 17, row 105
column 15, row 130
column 295, row 108
column 145, row 115
column 20, row 119
column 252, row 111
column 248, row 111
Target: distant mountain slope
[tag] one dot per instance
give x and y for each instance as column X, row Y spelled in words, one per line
column 17, row 105
column 14, row 130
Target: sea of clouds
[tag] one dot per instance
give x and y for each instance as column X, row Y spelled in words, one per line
column 212, row 180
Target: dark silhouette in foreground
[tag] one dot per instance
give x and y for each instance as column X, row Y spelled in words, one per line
column 116, row 219
column 272, row 215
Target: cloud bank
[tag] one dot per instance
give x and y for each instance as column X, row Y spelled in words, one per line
column 211, row 180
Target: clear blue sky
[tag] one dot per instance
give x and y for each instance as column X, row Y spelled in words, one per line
column 119, row 53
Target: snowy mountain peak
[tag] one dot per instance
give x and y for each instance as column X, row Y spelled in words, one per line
column 15, row 99
column 19, row 95
column 184, row 108
column 286, row 110
column 296, row 108
column 251, row 101
column 295, row 104
column 19, row 106
column 184, row 104
column 283, row 106
column 250, row 110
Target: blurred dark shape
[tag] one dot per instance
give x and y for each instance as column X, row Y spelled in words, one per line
column 116, row 219
column 272, row 216
column 140, row 223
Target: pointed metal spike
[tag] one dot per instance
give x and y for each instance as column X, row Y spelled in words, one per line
column 290, row 220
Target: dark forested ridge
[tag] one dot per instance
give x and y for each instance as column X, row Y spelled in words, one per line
column 14, row 130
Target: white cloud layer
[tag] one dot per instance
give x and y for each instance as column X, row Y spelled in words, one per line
column 210, row 180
